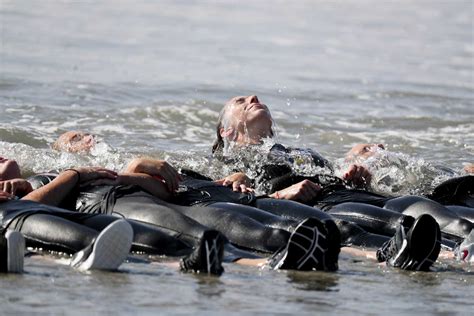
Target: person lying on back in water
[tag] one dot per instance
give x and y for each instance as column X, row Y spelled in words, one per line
column 389, row 167
column 46, row 226
column 216, row 194
column 243, row 132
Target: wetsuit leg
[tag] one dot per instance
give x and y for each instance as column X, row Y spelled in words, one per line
column 354, row 235
column 463, row 212
column 371, row 218
column 291, row 209
column 146, row 237
column 449, row 222
column 241, row 230
column 261, row 216
column 54, row 233
column 147, row 209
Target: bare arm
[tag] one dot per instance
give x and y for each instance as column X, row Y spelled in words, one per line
column 156, row 168
column 144, row 181
column 54, row 192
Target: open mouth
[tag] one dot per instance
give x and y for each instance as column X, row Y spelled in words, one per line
column 256, row 106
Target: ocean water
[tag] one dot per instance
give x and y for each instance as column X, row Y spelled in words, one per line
column 149, row 78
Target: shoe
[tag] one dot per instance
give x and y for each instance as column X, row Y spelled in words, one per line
column 12, row 252
column 464, row 252
column 207, row 257
column 391, row 247
column 415, row 248
column 313, row 245
column 109, row 249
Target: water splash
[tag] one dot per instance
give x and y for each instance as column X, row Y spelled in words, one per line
column 396, row 173
column 36, row 160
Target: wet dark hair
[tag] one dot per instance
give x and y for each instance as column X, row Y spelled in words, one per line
column 218, row 145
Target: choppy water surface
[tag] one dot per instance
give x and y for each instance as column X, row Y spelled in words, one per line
column 150, row 78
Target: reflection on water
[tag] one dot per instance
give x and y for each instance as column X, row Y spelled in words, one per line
column 314, row 281
column 209, row 287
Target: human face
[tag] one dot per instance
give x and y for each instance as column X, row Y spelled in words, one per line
column 247, row 118
column 363, row 151
column 9, row 169
column 75, row 141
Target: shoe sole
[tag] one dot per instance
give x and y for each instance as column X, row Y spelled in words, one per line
column 424, row 243
column 110, row 248
column 334, row 246
column 307, row 247
column 16, row 251
column 213, row 245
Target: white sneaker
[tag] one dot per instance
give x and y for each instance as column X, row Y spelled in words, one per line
column 108, row 250
column 15, row 251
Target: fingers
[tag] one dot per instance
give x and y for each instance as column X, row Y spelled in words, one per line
column 350, row 172
column 171, row 177
column 8, row 187
column 108, row 174
column 367, row 176
column 303, row 191
column 5, row 196
column 359, row 175
column 245, row 189
column 310, row 190
column 220, row 181
column 236, row 186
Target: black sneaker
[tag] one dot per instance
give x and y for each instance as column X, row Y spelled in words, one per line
column 414, row 249
column 313, row 245
column 12, row 250
column 207, row 257
column 391, row 247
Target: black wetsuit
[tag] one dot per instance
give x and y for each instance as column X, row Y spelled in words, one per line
column 186, row 221
column 249, row 222
column 57, row 229
column 373, row 212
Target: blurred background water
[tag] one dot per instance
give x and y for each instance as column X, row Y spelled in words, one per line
column 151, row 77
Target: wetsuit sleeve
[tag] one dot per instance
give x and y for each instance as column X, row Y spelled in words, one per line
column 193, row 174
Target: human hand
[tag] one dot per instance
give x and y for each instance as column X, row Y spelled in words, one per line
column 5, row 196
column 303, row 191
column 156, row 168
column 14, row 186
column 238, row 181
column 358, row 175
column 469, row 168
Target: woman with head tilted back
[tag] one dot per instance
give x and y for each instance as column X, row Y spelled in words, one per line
column 244, row 122
column 243, row 125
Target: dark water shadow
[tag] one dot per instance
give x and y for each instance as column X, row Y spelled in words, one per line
column 314, row 281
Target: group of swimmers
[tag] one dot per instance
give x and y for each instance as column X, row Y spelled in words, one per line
column 266, row 213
